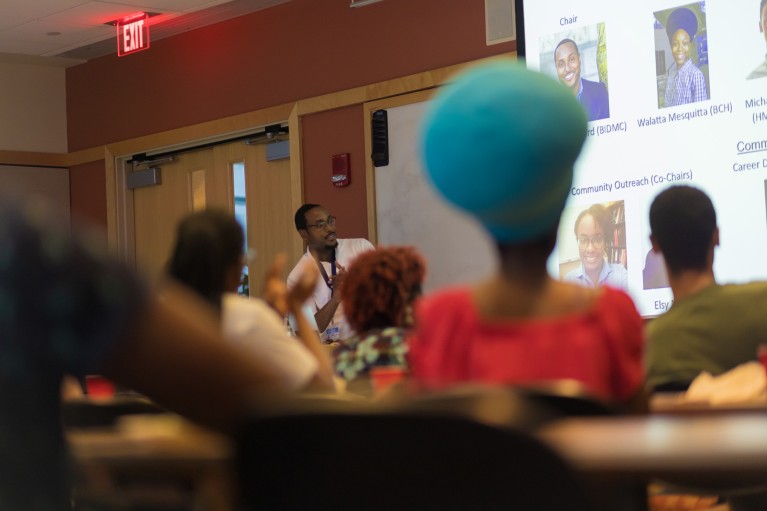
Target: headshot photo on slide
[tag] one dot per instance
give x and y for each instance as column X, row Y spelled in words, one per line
column 681, row 55
column 578, row 59
column 654, row 275
column 760, row 71
column 592, row 245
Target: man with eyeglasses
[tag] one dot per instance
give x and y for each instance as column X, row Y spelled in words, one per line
column 332, row 256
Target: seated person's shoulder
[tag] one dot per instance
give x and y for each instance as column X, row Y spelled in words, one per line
column 756, row 289
column 380, row 340
column 601, row 299
column 618, row 299
column 441, row 314
column 239, row 303
column 449, row 299
column 618, row 313
column 243, row 313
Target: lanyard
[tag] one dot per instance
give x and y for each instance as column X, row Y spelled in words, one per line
column 332, row 269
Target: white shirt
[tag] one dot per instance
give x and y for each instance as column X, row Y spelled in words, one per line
column 346, row 252
column 255, row 327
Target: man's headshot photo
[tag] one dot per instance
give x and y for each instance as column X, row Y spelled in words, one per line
column 578, row 58
column 681, row 55
column 761, row 69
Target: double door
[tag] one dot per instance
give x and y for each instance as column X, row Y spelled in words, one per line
column 209, row 178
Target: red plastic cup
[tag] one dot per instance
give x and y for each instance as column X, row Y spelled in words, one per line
column 384, row 377
column 99, row 387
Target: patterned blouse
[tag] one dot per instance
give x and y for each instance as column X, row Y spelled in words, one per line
column 378, row 347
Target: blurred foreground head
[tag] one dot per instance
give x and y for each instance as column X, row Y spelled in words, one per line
column 499, row 142
column 208, row 253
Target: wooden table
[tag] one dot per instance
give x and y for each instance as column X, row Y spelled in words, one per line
column 152, row 461
column 674, row 403
column 713, row 451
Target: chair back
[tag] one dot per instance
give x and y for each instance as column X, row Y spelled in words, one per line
column 388, row 459
column 567, row 398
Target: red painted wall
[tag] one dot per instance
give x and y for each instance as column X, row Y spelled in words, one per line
column 297, row 50
column 325, row 134
column 87, row 195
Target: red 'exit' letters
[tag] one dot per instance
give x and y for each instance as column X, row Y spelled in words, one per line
column 132, row 34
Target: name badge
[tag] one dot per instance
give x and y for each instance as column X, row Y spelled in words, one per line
column 333, row 333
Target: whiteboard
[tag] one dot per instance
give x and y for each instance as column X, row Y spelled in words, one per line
column 409, row 212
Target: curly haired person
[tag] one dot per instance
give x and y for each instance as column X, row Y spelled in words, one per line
column 377, row 295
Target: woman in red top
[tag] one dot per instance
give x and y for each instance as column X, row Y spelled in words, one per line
column 500, row 143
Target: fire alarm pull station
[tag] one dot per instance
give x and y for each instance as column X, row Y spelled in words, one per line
column 341, row 172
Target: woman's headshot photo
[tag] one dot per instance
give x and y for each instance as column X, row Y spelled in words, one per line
column 592, row 245
column 681, row 55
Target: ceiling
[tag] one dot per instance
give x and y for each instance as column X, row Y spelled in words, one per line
column 68, row 32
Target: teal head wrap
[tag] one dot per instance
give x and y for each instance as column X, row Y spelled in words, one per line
column 499, row 142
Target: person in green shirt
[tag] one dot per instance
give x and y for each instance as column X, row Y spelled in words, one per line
column 710, row 327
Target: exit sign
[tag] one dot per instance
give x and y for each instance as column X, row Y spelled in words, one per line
column 132, row 34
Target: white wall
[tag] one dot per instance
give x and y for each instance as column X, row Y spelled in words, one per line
column 46, row 185
column 33, row 115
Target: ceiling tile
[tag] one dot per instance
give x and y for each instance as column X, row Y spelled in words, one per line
column 171, row 5
column 33, row 9
column 92, row 14
column 69, row 33
column 17, row 46
column 24, row 24
column 11, row 20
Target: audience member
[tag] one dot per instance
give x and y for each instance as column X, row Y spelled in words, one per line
column 331, row 255
column 499, row 142
column 377, row 295
column 710, row 327
column 593, row 232
column 67, row 309
column 208, row 257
